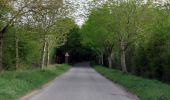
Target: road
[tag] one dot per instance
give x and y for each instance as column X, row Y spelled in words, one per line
column 82, row 83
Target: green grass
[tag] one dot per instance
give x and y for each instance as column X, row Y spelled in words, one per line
column 14, row 84
column 145, row 89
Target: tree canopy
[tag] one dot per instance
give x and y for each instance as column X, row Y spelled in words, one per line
column 132, row 34
column 30, row 26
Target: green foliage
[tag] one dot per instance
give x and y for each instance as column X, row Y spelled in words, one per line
column 61, row 30
column 96, row 32
column 143, row 88
column 25, row 28
column 139, row 29
column 73, row 46
column 152, row 52
column 29, row 48
column 15, row 84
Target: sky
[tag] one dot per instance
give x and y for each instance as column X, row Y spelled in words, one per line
column 81, row 11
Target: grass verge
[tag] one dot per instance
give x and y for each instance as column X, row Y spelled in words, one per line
column 145, row 89
column 14, row 84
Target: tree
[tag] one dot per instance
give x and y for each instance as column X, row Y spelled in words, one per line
column 129, row 17
column 42, row 16
column 46, row 16
column 155, row 47
column 58, row 37
column 9, row 15
column 97, row 35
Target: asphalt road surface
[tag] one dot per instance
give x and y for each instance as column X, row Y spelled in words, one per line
column 82, row 83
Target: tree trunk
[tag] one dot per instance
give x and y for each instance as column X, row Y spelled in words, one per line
column 110, row 61
column 2, row 32
column 66, row 59
column 1, row 54
column 99, row 60
column 123, row 57
column 96, row 60
column 43, row 54
column 17, row 53
column 48, row 55
column 102, row 60
column 123, row 61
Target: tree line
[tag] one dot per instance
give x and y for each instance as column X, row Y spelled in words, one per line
column 30, row 30
column 133, row 34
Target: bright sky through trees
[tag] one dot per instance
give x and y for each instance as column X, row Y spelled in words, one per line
column 81, row 10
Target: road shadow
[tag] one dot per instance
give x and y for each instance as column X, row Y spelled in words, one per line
column 82, row 65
